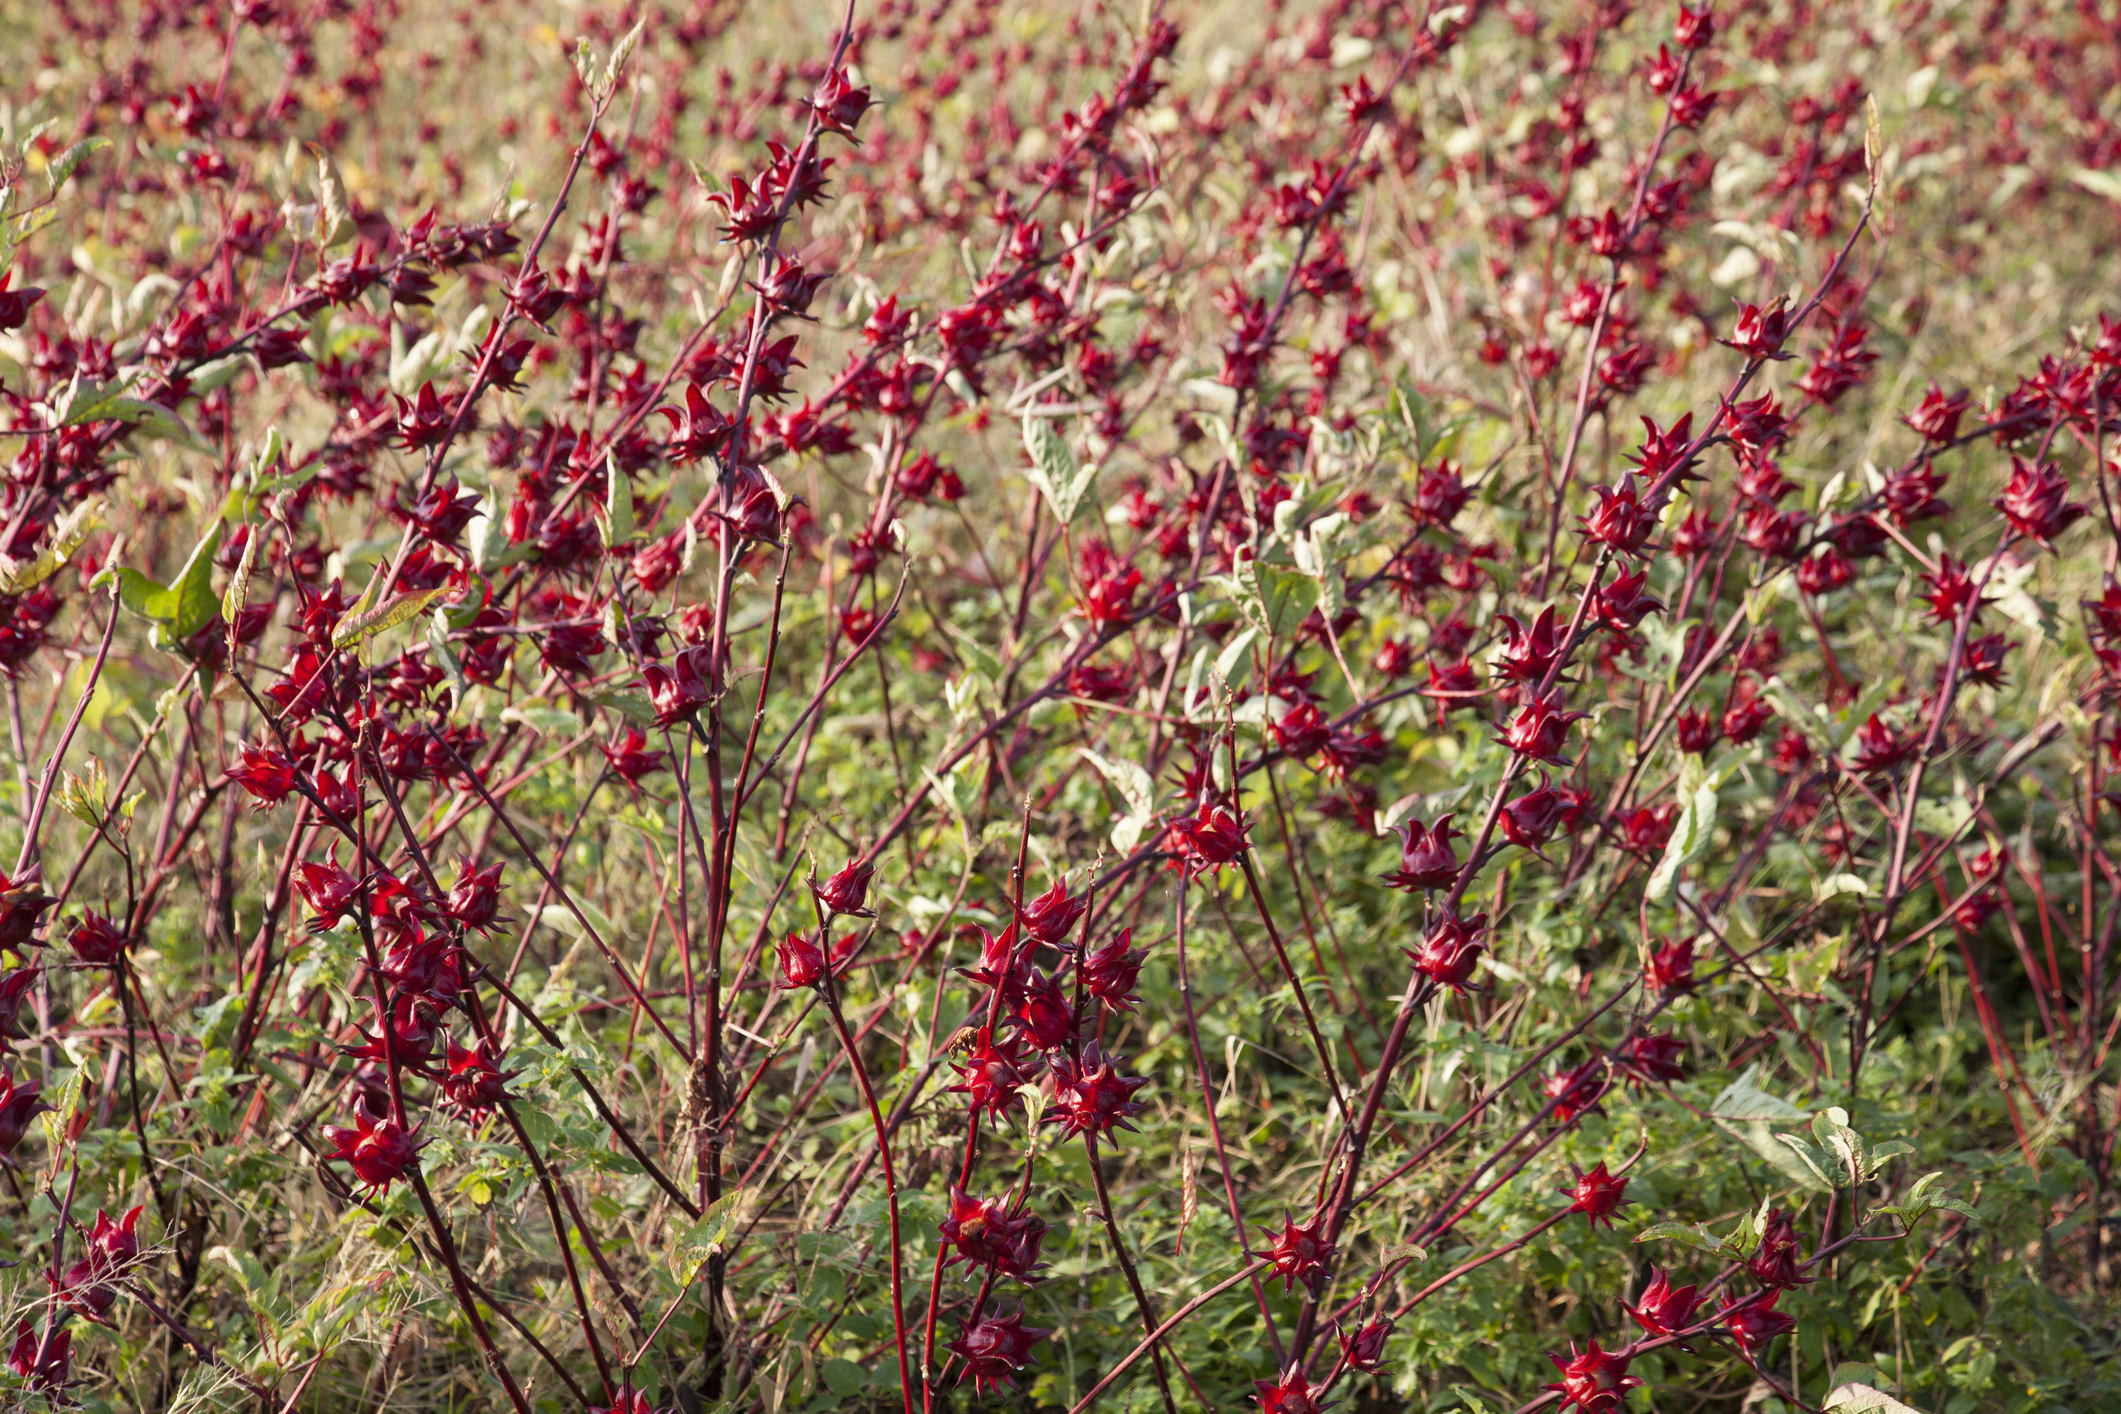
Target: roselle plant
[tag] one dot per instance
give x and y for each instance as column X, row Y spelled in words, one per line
column 730, row 707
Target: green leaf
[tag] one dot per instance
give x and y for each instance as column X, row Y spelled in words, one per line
column 151, row 418
column 843, row 1377
column 707, row 1235
column 438, row 649
column 1691, row 836
column 1137, row 789
column 196, row 603
column 1745, row 1111
column 1053, row 468
column 1851, row 1372
column 139, row 594
column 550, row 721
column 629, row 703
column 1234, row 664
column 181, row 609
column 975, row 654
column 615, row 522
column 64, row 166
column 1287, row 595
column 1824, row 1173
column 72, row 529
column 1856, row 1398
column 86, row 797
column 1694, row 1235
column 358, row 628
column 1890, row 1149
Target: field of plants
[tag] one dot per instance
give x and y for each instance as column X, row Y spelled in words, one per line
column 1182, row 705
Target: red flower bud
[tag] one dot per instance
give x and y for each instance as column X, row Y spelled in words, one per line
column 1696, row 731
column 1541, row 728
column 1209, row 839
column 1648, row 1060
column 19, row 1104
column 1774, row 1263
column 1043, row 1015
column 2036, row 501
column 1576, row 1092
column 991, row 1072
column 985, row 1234
column 475, row 899
column 1879, row 748
column 474, row 1082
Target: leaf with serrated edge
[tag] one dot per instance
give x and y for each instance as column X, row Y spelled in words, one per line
column 358, row 628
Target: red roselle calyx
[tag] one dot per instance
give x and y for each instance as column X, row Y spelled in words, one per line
column 625, row 1400
column 1652, row 1060
column 22, row 908
column 990, row 1072
column 46, row 1365
column 1301, row 1253
column 1291, row 1394
column 1450, row 954
column 1577, row 1091
column 1364, row 1349
column 1091, row 1096
column 1775, row 1263
column 1531, row 819
column 1210, row 839
column 1597, row 1194
column 983, row 1233
column 475, row 898
column 1052, row 915
column 19, row 1104
column 1426, row 858
column 995, row 1350
column 1110, row 973
column 1594, row 1381
column 1540, row 729
column 1664, row 1309
column 97, row 941
column 1753, row 1320
column 267, row 773
column 379, row 1152
column 802, row 963
column 846, row 892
